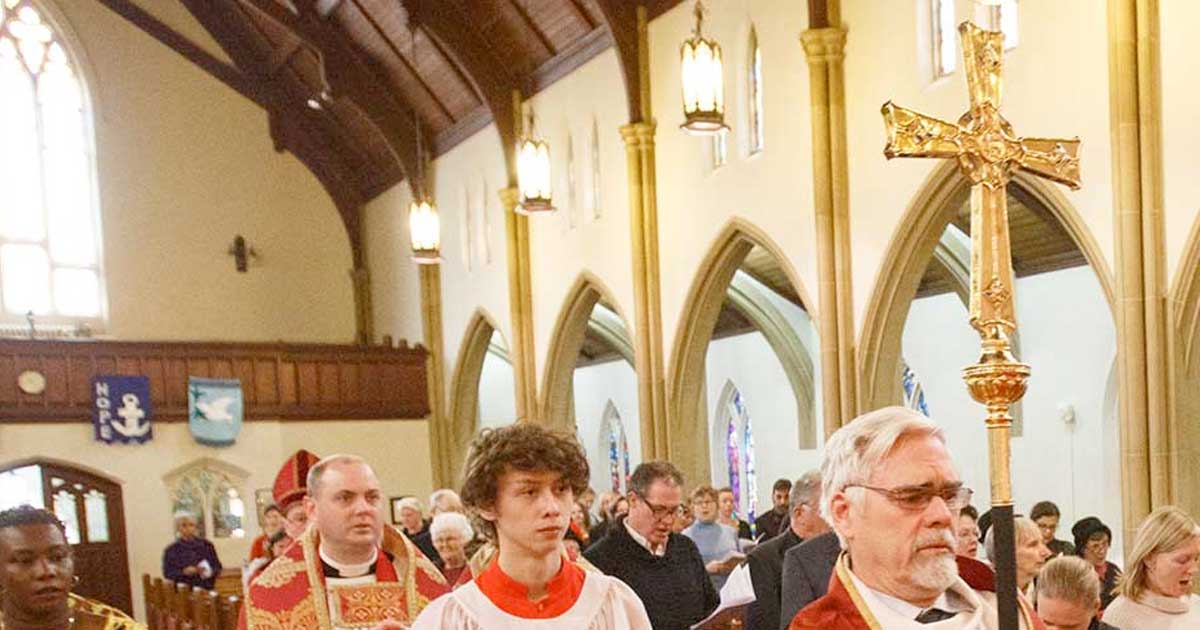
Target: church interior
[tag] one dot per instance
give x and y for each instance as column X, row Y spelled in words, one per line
column 342, row 207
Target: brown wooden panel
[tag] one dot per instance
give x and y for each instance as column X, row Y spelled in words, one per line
column 280, row 381
column 308, row 383
column 329, row 383
column 287, row 383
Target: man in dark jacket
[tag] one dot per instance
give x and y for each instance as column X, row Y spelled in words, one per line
column 663, row 568
column 806, row 571
column 766, row 561
column 190, row 559
column 775, row 520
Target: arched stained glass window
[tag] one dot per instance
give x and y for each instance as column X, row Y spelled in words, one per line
column 617, row 448
column 739, row 452
column 914, row 394
column 754, row 77
column 49, row 234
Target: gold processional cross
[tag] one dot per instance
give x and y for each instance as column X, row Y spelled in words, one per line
column 988, row 152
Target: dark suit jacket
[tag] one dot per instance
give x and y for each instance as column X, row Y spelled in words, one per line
column 806, row 571
column 766, row 572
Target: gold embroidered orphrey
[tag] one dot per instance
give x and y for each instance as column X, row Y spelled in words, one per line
column 988, row 152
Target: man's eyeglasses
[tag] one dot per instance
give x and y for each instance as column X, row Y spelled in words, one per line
column 661, row 512
column 918, row 498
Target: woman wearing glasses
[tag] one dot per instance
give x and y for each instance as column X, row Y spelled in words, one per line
column 1092, row 540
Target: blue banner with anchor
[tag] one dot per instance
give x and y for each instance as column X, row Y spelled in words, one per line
column 121, row 409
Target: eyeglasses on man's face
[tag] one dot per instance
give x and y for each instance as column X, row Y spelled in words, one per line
column 661, row 512
column 917, row 498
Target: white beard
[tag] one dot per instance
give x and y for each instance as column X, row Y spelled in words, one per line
column 936, row 572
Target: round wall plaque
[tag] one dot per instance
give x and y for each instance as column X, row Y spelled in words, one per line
column 32, row 382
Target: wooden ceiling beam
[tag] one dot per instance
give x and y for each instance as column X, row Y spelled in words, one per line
column 292, row 125
column 582, row 13
column 620, row 16
column 443, row 20
column 348, row 73
column 169, row 37
column 283, row 56
column 533, row 27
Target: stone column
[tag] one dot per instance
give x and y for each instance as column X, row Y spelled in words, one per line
column 1142, row 359
column 825, row 49
column 648, row 344
column 441, row 447
column 520, row 304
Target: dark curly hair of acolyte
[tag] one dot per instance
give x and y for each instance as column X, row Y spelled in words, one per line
column 524, row 447
column 28, row 515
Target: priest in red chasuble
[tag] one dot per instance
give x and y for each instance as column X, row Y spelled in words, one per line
column 893, row 495
column 521, row 482
column 347, row 569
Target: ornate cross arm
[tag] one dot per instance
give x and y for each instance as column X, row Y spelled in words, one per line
column 912, row 134
column 1052, row 158
column 982, row 52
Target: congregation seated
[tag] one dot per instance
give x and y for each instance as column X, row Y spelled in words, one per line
column 1031, row 552
column 38, row 573
column 451, row 531
column 1156, row 589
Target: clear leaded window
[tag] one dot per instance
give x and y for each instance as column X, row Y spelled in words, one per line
column 755, row 90
column 49, row 234
column 212, row 497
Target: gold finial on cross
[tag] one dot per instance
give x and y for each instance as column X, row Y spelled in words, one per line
column 988, row 151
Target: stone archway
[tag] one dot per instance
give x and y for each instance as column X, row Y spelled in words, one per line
column 687, row 443
column 577, row 318
column 914, row 244
column 464, row 394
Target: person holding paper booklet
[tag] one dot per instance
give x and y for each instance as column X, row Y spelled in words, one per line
column 191, row 559
column 718, row 543
column 520, row 483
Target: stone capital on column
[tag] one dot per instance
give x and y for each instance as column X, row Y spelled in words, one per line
column 824, row 44
column 509, row 197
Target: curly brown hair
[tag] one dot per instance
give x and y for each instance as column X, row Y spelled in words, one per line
column 525, row 447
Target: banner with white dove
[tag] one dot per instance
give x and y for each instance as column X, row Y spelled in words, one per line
column 215, row 410
column 121, row 409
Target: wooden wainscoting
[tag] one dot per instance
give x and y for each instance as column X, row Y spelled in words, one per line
column 279, row 381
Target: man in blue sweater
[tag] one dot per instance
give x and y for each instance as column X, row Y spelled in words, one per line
column 663, row 568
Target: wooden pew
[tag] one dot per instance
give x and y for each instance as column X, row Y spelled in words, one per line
column 171, row 606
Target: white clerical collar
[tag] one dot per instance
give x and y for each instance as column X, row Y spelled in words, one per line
column 945, row 602
column 349, row 570
column 641, row 540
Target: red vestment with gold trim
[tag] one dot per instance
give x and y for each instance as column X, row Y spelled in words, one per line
column 290, row 593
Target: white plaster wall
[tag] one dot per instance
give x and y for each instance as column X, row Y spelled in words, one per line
column 1055, row 84
column 1068, row 337
column 497, row 403
column 750, row 363
column 595, row 386
column 772, row 189
column 602, row 247
column 1180, row 134
column 260, row 451
column 184, row 164
column 395, row 279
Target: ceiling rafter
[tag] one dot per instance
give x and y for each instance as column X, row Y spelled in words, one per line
column 191, row 51
column 532, row 25
column 292, row 126
column 283, row 56
column 408, row 66
column 582, row 13
column 348, row 73
column 443, row 20
column 620, row 16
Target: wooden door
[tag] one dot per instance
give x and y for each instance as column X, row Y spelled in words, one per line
column 94, row 515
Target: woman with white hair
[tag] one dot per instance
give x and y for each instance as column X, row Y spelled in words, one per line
column 415, row 526
column 1032, row 551
column 451, row 531
column 1156, row 588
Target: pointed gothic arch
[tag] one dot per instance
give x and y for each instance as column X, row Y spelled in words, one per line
column 687, row 406
column 913, row 244
column 1184, row 330
column 464, row 393
column 576, row 318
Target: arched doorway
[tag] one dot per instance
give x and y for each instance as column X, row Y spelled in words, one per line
column 917, row 335
column 746, row 317
column 93, row 514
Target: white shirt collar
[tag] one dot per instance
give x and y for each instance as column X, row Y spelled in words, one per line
column 949, row 601
column 641, row 540
column 348, row 570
